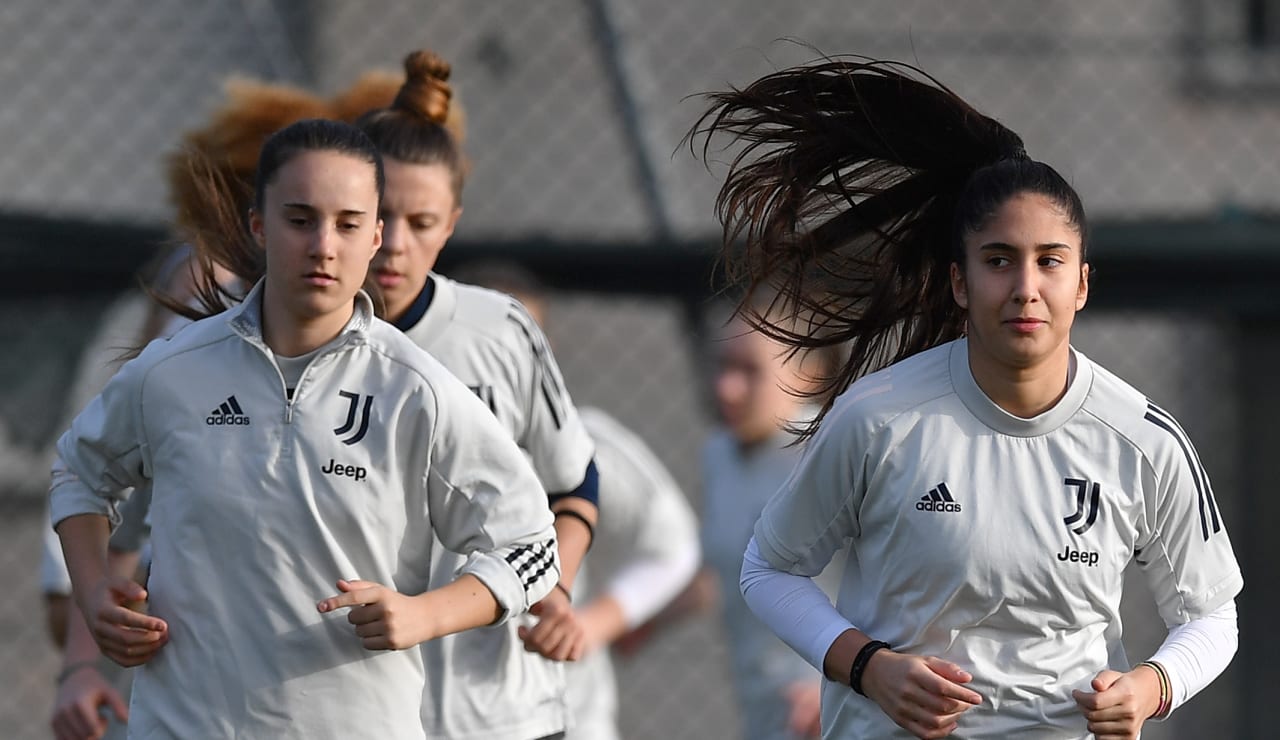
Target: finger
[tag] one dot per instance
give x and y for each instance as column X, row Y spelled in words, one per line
column 371, row 629
column 1088, row 701
column 381, row 642
column 71, row 723
column 127, row 589
column 1105, row 680
column 125, row 617
column 1113, row 730
column 118, row 706
column 948, row 670
column 927, row 733
column 366, row 614
column 358, row 597
column 88, row 723
column 938, row 685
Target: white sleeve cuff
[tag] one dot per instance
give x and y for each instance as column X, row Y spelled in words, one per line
column 518, row 577
column 1197, row 652
column 69, row 496
column 643, row 588
column 794, row 607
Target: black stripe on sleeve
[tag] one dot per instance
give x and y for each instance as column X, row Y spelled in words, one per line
column 1161, row 418
column 552, row 392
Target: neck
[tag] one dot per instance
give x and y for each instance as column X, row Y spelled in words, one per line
column 1025, row 392
column 289, row 335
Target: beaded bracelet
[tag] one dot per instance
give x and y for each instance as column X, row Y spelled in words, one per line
column 860, row 663
column 1166, row 690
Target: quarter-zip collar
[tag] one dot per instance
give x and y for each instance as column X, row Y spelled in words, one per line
column 246, row 320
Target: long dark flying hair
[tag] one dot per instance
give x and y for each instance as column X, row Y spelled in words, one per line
column 848, row 200
column 223, row 238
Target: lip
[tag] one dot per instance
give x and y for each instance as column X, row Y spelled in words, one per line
column 388, row 278
column 320, row 279
column 1026, row 325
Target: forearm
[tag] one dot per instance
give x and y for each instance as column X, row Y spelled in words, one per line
column 461, row 605
column 81, row 647
column 573, row 536
column 604, row 621
column 647, row 584
column 1196, row 653
column 797, row 610
column 84, row 544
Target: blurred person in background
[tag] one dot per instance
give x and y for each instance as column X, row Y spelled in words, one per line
column 506, row 683
column 991, row 482
column 648, row 549
column 758, row 387
column 251, row 522
column 229, row 144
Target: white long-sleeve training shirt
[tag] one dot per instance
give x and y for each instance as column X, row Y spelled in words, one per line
column 995, row 542
column 261, row 502
column 646, row 552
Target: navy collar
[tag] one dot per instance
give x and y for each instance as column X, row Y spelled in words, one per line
column 418, row 308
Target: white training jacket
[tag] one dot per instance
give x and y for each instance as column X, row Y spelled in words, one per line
column 483, row 684
column 260, row 503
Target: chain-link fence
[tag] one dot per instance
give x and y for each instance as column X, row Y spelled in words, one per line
column 1159, row 111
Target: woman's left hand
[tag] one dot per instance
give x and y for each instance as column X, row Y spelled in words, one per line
column 384, row 618
column 1120, row 702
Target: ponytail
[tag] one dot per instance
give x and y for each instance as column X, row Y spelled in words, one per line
column 847, row 202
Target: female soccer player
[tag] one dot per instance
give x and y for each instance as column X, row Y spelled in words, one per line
column 756, row 387
column 488, row 683
column 992, row 481
column 648, row 548
column 291, row 442
column 489, row 342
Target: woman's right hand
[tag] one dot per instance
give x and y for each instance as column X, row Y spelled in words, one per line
column 76, row 713
column 123, row 633
column 924, row 696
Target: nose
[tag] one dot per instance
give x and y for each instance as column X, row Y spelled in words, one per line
column 324, row 243
column 393, row 236
column 730, row 388
column 1026, row 284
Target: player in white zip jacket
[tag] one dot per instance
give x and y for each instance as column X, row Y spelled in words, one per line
column 295, row 444
column 992, row 483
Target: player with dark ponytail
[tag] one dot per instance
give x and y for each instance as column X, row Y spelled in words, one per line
column 992, row 482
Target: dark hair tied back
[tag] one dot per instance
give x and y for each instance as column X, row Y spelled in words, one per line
column 853, row 183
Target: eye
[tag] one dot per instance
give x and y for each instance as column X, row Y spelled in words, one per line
column 423, row 224
column 998, row 260
column 349, row 225
column 298, row 220
column 1051, row 261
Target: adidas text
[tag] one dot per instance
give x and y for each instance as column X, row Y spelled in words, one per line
column 349, row 471
column 937, row 506
column 226, row 420
column 1078, row 556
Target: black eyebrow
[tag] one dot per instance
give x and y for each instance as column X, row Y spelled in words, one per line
column 312, row 209
column 1001, row 246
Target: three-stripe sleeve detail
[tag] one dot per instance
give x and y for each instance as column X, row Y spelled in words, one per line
column 1208, row 506
column 531, row 562
column 552, row 393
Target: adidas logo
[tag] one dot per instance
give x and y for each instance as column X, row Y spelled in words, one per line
column 938, row 499
column 228, row 413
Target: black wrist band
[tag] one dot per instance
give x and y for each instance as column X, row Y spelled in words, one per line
column 591, row 529
column 565, row 591
column 860, row 663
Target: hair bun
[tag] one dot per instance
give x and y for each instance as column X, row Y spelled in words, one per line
column 426, row 92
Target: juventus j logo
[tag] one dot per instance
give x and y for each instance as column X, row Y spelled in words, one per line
column 351, row 417
column 1082, row 488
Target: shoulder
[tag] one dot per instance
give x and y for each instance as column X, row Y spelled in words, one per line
column 1128, row 413
column 392, row 348
column 206, row 335
column 884, row 397
column 486, row 312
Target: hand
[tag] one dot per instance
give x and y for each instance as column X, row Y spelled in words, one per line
column 122, row 631
column 1120, row 702
column 805, row 716
column 559, row 634
column 75, row 708
column 384, row 618
column 924, row 696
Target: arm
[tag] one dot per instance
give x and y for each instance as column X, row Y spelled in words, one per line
column 484, row 502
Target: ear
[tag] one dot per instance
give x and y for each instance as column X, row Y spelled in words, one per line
column 257, row 228
column 1082, row 292
column 959, row 288
column 377, row 239
column 453, row 222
